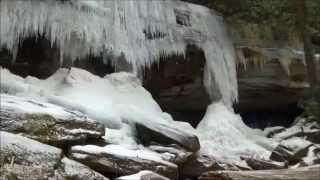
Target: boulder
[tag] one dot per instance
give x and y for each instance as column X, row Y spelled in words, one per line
column 262, row 164
column 70, row 169
column 198, row 164
column 175, row 155
column 116, row 160
column 24, row 158
column 46, row 122
column 167, row 134
column 143, row 175
column 291, row 150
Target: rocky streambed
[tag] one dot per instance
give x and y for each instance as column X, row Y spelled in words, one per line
column 45, row 137
column 47, row 145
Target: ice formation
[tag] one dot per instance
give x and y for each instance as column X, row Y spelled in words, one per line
column 225, row 137
column 118, row 98
column 142, row 31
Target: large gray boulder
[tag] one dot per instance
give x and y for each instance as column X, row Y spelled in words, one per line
column 116, row 160
column 25, row 158
column 46, row 122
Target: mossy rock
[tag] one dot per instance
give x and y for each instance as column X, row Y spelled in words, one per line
column 39, row 124
column 312, row 109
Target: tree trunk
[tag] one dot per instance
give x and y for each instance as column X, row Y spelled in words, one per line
column 308, row 49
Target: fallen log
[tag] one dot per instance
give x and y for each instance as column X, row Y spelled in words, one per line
column 304, row 173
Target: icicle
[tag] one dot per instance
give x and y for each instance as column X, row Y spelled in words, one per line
column 79, row 28
column 242, row 59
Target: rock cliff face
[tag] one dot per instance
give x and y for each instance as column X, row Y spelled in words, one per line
column 179, row 87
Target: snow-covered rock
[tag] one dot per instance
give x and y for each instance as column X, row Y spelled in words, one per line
column 312, row 157
column 46, row 122
column 115, row 160
column 166, row 134
column 291, row 150
column 304, row 127
column 143, row 175
column 26, row 157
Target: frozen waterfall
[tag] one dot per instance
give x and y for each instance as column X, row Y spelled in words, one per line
column 141, row 30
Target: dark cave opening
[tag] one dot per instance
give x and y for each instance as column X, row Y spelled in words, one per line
column 262, row 119
column 176, row 83
column 35, row 57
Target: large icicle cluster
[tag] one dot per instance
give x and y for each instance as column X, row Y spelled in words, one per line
column 141, row 30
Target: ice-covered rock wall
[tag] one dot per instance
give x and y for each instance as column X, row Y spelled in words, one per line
column 141, row 30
